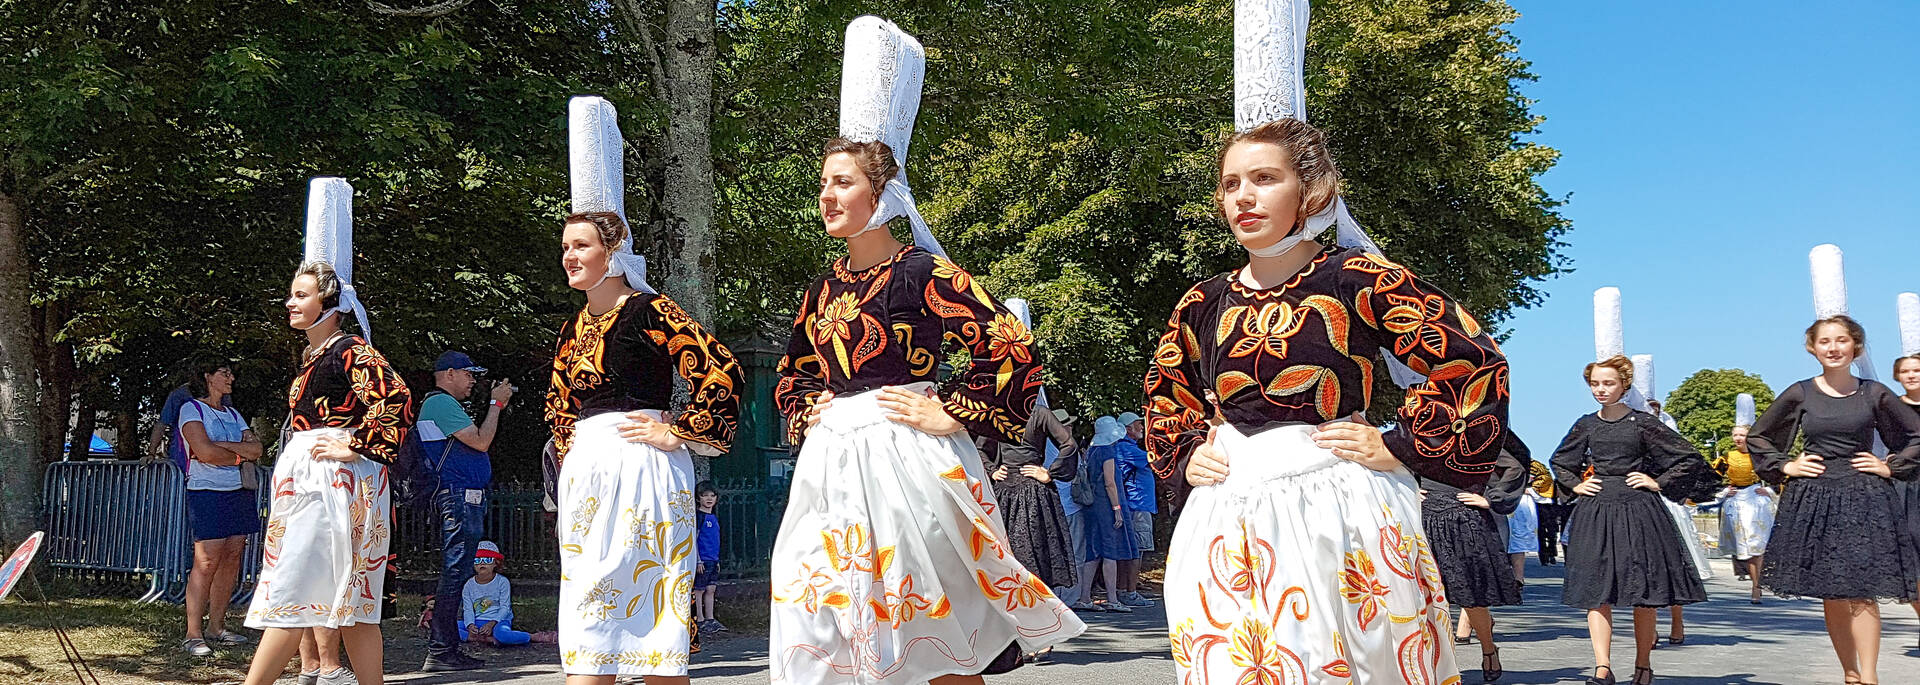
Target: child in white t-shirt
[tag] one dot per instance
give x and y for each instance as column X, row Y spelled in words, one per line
column 486, row 604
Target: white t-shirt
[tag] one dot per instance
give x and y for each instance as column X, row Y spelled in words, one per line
column 221, row 425
column 489, row 602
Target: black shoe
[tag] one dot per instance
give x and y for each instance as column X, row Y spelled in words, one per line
column 1598, row 680
column 1490, row 666
column 1637, row 680
column 455, row 660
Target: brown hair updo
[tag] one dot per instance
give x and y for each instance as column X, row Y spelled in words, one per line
column 1854, row 330
column 1307, row 146
column 611, row 228
column 1619, row 363
column 875, row 159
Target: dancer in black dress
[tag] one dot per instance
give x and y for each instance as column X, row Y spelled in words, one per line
column 1469, row 549
column 1624, row 549
column 1836, row 535
column 1029, row 504
column 1906, row 373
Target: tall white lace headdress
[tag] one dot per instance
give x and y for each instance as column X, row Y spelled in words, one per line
column 330, row 240
column 1610, row 340
column 1909, row 304
column 880, row 79
column 1743, row 410
column 1828, row 267
column 597, row 167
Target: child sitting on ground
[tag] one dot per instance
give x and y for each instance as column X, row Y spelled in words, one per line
column 486, row 604
column 709, row 547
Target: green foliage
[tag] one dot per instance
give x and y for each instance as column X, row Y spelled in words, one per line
column 1703, row 405
column 1065, row 154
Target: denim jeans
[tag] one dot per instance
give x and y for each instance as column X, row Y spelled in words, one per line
column 462, row 526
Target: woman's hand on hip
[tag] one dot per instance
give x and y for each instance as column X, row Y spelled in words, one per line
column 1865, row 462
column 820, row 403
column 1807, row 466
column 923, row 411
column 1474, row 500
column 1643, row 482
column 641, row 428
column 1588, row 487
column 1208, row 466
column 334, row 449
column 1036, row 473
column 1356, row 441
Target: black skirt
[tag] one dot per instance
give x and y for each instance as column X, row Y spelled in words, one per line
column 1623, row 550
column 1037, row 528
column 1470, row 552
column 1841, row 538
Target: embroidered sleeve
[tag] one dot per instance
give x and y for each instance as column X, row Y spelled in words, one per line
column 1177, row 407
column 713, row 376
column 1450, row 427
column 996, row 392
column 561, row 408
column 802, row 378
column 1771, row 437
column 386, row 407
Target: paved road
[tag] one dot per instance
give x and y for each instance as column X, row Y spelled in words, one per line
column 1729, row 642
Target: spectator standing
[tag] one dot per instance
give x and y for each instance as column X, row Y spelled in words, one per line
column 1137, row 478
column 708, row 542
column 164, row 441
column 1072, row 506
column 221, row 511
column 457, row 447
column 1109, row 529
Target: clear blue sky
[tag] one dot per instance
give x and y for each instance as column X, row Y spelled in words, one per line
column 1707, row 147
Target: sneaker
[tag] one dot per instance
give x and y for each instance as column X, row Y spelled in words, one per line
column 196, row 647
column 1082, row 605
column 228, row 637
column 1133, row 599
column 713, row 625
column 338, row 676
column 455, row 660
column 1118, row 608
column 308, row 679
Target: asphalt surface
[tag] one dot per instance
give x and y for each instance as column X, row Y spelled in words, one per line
column 1728, row 642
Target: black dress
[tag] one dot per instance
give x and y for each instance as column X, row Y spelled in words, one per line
column 1838, row 535
column 1623, row 548
column 1909, row 494
column 1466, row 541
column 1036, row 523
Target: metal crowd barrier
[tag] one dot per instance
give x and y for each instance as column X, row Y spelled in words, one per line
column 129, row 518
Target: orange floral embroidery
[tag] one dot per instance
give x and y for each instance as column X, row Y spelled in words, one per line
column 1362, row 587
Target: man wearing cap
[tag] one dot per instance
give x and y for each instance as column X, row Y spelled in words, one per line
column 1137, row 480
column 453, row 445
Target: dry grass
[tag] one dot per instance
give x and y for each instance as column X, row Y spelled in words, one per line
column 139, row 644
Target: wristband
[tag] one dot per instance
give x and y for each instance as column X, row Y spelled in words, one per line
column 1116, row 507
column 497, row 403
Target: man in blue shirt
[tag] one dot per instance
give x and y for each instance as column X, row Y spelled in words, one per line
column 1137, row 482
column 452, row 444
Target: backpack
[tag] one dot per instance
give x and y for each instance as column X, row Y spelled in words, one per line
column 1082, row 487
column 414, row 476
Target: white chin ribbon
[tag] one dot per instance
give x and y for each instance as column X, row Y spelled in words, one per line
column 1347, row 231
column 349, row 302
column 896, row 200
column 624, row 262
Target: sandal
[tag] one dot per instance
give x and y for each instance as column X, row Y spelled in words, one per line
column 1463, row 640
column 1637, row 670
column 1676, row 640
column 1597, row 680
column 1490, row 669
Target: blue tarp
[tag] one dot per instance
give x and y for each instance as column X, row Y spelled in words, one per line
column 100, row 447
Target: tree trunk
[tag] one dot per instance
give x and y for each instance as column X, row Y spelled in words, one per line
column 128, row 442
column 20, row 465
column 688, row 196
column 55, row 367
column 80, row 443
